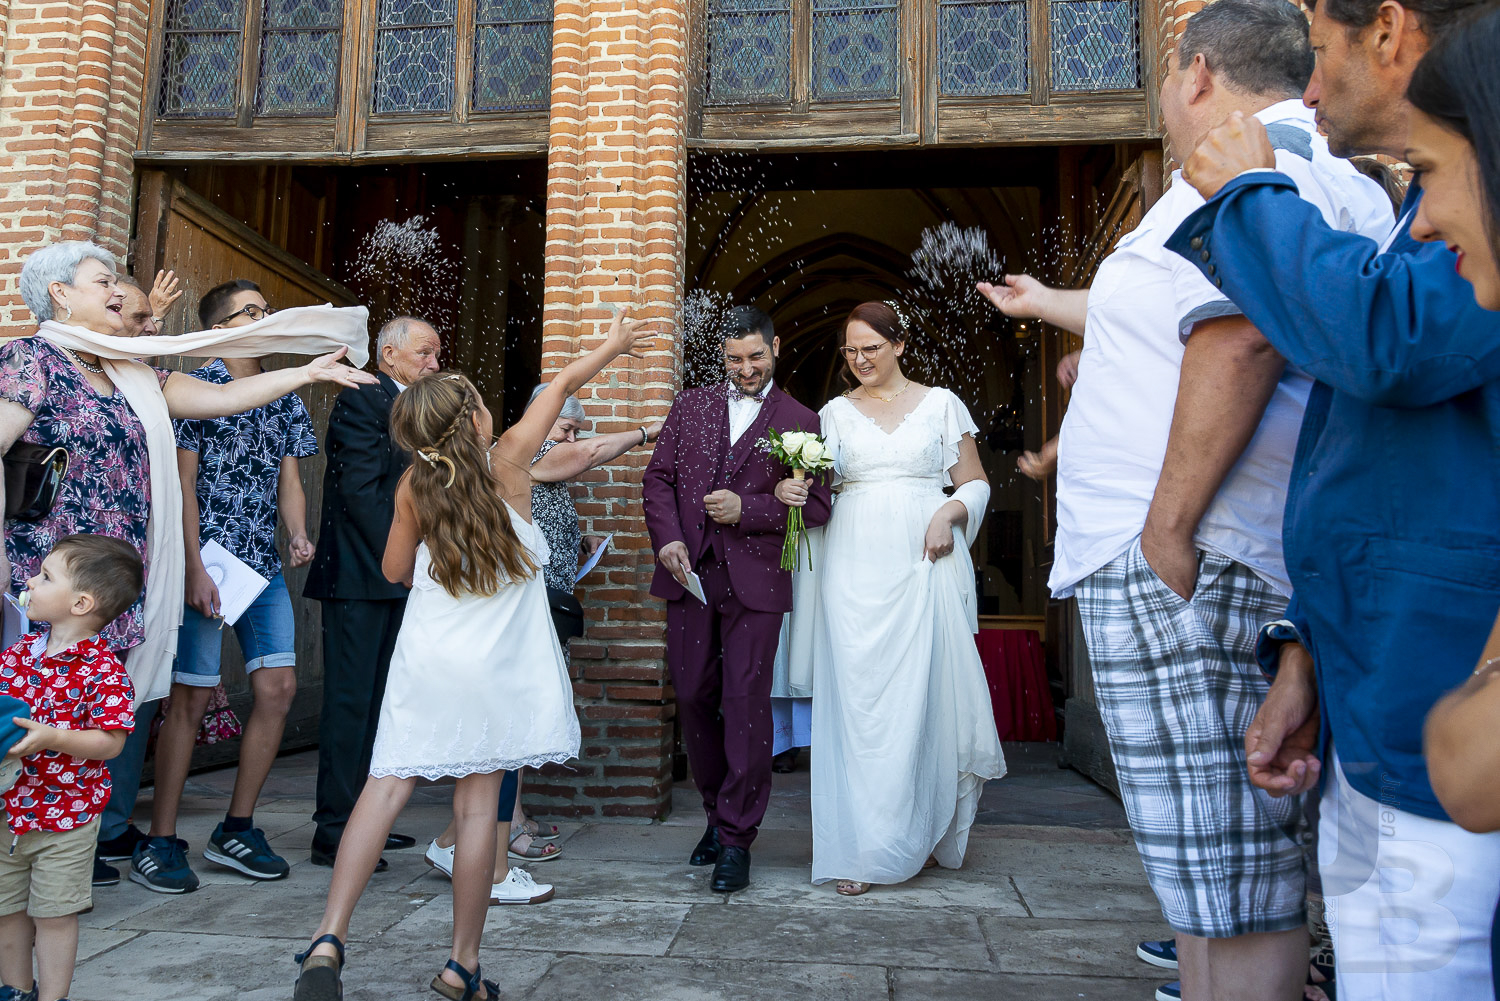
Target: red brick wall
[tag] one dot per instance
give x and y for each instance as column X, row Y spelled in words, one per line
column 615, row 214
column 70, row 93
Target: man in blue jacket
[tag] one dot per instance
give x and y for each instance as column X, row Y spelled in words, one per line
column 1392, row 523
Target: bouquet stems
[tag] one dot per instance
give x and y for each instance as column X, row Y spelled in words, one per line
column 796, row 534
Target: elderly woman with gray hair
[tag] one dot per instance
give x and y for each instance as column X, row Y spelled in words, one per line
column 563, row 457
column 77, row 386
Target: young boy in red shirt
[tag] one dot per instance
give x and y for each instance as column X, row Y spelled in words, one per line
column 80, row 699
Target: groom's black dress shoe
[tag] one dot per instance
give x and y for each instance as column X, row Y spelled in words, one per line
column 732, row 871
column 396, row 842
column 707, row 851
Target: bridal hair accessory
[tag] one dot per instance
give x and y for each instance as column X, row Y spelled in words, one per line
column 435, row 458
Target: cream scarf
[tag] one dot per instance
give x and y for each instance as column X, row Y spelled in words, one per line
column 303, row 330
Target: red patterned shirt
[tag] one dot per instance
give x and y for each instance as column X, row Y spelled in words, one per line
column 81, row 688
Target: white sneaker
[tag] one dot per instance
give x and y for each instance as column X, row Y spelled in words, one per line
column 441, row 858
column 520, row 888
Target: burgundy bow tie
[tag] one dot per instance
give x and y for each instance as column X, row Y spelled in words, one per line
column 735, row 394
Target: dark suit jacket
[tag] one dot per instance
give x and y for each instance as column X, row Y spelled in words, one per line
column 692, row 459
column 359, row 496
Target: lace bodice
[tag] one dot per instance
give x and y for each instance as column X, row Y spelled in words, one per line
column 922, row 448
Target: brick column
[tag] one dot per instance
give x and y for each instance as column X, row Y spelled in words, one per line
column 615, row 220
column 70, row 89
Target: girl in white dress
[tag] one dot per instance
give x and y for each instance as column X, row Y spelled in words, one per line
column 477, row 682
column 903, row 732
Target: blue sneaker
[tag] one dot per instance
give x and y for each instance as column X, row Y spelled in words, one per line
column 9, row 993
column 160, row 865
column 1163, row 954
column 1170, row 992
column 246, row 852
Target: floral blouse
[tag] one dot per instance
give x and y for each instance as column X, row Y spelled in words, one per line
column 553, row 512
column 107, row 489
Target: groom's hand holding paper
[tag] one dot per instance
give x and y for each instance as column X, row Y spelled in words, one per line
column 674, row 556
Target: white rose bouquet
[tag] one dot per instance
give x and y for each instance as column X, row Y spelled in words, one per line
column 805, row 453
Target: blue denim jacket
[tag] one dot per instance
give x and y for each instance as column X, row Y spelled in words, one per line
column 1392, row 527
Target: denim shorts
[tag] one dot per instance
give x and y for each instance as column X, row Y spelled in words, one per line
column 267, row 634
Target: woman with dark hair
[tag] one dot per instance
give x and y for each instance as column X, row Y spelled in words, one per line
column 905, row 735
column 1455, row 149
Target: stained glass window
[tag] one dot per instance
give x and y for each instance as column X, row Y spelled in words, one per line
column 983, row 47
column 299, row 57
column 1095, row 45
column 749, row 51
column 201, row 58
column 414, row 58
column 854, row 49
column 512, row 55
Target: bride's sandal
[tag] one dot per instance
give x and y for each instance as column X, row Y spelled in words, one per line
column 319, row 979
column 472, row 983
column 931, row 862
column 851, row 888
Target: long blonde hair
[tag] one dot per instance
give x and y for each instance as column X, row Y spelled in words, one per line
column 466, row 525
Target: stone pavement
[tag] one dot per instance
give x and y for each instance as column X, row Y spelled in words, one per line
column 1048, row 906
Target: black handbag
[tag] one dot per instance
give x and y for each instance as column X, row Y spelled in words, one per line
column 33, row 477
column 567, row 614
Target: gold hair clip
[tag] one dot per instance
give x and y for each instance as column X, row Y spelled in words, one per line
column 433, row 457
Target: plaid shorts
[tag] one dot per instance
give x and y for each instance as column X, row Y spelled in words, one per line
column 1177, row 685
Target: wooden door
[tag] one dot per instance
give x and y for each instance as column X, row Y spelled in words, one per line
column 180, row 230
column 1139, row 185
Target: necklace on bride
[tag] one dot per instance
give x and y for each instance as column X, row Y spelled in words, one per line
column 86, row 366
column 892, row 397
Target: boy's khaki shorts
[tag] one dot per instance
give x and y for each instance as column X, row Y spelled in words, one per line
column 50, row 874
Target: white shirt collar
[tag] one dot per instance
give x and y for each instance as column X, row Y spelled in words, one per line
column 1292, row 109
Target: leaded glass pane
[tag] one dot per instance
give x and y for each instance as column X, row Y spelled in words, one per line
column 206, row 15
column 854, row 49
column 1095, row 45
column 299, row 57
column 982, row 48
column 749, row 51
column 414, row 70
column 299, row 73
column 408, row 12
column 512, row 67
column 200, row 78
column 497, row 11
column 304, row 14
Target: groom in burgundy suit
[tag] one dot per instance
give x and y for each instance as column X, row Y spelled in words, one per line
column 716, row 505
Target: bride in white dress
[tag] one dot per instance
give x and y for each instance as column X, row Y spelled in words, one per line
column 903, row 733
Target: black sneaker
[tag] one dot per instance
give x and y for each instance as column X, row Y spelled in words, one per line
column 122, row 848
column 161, row 865
column 246, row 852
column 104, row 875
column 1169, row 992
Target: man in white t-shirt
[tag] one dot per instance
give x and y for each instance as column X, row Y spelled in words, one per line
column 1173, row 652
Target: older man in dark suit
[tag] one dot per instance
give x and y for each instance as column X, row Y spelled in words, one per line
column 361, row 609
column 716, row 505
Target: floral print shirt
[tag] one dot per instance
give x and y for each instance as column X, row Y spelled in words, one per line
column 107, row 489
column 81, row 688
column 239, row 471
column 553, row 512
